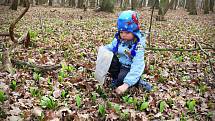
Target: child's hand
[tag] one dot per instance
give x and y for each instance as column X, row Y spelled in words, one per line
column 121, row 89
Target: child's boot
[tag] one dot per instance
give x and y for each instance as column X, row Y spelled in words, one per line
column 146, row 85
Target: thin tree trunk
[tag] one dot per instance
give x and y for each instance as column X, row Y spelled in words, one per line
column 14, row 5
column 192, row 7
column 206, row 7
column 175, row 4
column 133, row 4
column 80, row 3
column 211, row 5
column 92, row 3
column 50, row 2
column 62, row 2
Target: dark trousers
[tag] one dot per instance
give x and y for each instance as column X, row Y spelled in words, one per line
column 117, row 71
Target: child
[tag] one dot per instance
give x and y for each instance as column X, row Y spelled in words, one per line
column 128, row 45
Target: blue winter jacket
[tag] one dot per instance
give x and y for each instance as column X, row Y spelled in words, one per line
column 136, row 63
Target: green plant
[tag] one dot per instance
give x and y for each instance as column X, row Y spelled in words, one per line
column 162, row 106
column 101, row 92
column 183, row 117
column 102, row 110
column 35, row 92
column 179, row 58
column 13, row 85
column 36, row 76
column 125, row 98
column 48, row 102
column 202, row 88
column 33, row 34
column 191, row 105
column 64, row 93
column 78, row 101
column 124, row 115
column 144, row 106
column 196, row 58
column 117, row 108
column 93, row 97
column 130, row 100
column 3, row 114
column 2, row 96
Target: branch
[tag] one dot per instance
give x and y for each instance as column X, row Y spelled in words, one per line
column 208, row 55
column 176, row 49
column 37, row 67
column 12, row 25
column 150, row 26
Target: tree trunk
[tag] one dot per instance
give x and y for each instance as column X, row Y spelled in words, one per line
column 164, row 6
column 92, row 3
column 62, row 2
column 206, row 6
column 192, row 7
column 14, row 5
column 37, row 2
column 80, row 4
column 211, row 5
column 121, row 3
column 141, row 3
column 50, row 2
column 176, row 4
column 125, row 4
column 107, row 5
column 6, row 2
column 150, row 3
column 134, row 4
column 187, row 5
column 72, row 3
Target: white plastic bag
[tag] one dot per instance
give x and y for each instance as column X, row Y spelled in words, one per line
column 103, row 63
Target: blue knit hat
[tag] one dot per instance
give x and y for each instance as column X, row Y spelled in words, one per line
column 128, row 21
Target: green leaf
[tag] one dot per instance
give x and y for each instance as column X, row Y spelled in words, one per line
column 125, row 98
column 36, row 76
column 35, row 92
column 48, row 102
column 117, row 108
column 191, row 105
column 130, row 100
column 78, row 100
column 13, row 85
column 102, row 110
column 162, row 106
column 93, row 96
column 64, row 93
column 2, row 96
column 144, row 106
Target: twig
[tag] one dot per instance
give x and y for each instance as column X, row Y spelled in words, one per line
column 37, row 67
column 12, row 25
column 208, row 55
column 176, row 49
column 41, row 25
column 151, row 23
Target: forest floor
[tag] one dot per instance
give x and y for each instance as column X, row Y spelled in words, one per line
column 184, row 87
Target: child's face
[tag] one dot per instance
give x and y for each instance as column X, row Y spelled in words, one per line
column 126, row 36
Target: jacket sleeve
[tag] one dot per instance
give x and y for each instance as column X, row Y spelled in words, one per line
column 111, row 45
column 137, row 66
